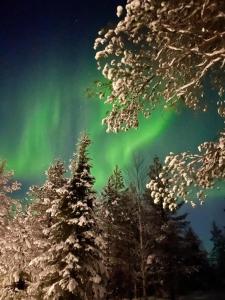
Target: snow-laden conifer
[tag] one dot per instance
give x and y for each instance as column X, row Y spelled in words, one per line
column 118, row 215
column 72, row 266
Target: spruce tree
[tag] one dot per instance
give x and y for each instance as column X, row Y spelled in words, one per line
column 41, row 197
column 117, row 212
column 72, row 266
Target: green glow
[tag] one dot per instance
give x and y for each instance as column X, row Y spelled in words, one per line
column 40, row 134
column 111, row 149
column 35, row 150
column 52, row 109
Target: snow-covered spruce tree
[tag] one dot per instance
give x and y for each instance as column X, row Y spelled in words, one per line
column 38, row 219
column 73, row 264
column 118, row 215
column 41, row 200
column 162, row 52
column 110, row 209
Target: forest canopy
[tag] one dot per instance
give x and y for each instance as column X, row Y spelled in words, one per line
column 72, row 243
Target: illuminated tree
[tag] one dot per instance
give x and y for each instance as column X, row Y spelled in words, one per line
column 7, row 186
column 22, row 235
column 39, row 219
column 72, row 266
column 14, row 246
column 162, row 52
column 119, row 222
column 17, row 250
column 189, row 175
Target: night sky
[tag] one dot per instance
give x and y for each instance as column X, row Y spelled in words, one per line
column 46, row 64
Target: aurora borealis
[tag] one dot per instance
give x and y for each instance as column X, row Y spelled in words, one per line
column 47, row 63
column 48, row 129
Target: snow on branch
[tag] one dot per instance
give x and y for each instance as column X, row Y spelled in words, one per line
column 190, row 176
column 161, row 50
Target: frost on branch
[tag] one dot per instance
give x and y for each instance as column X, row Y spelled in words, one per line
column 190, row 176
column 161, row 50
column 7, row 186
column 14, row 244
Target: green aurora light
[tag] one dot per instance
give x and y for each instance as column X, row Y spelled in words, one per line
column 47, row 63
column 40, row 123
column 49, row 114
column 110, row 149
column 54, row 113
